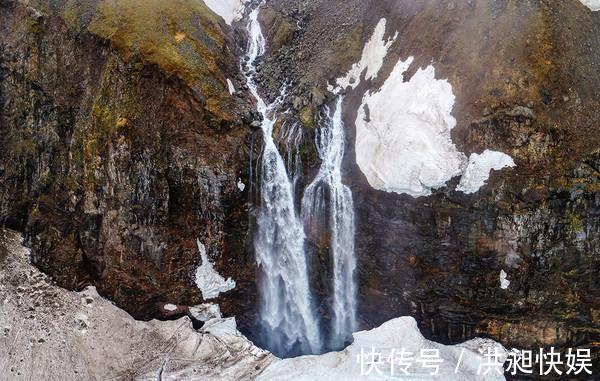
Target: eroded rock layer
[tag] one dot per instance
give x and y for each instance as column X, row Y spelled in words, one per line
column 121, row 145
column 525, row 80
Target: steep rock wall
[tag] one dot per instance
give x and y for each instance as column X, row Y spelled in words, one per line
column 525, row 79
column 121, row 145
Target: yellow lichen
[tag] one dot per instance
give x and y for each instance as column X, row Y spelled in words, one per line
column 121, row 122
column 179, row 36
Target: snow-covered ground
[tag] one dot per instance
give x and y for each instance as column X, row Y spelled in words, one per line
column 368, row 358
column 229, row 10
column 208, row 280
column 594, row 5
column 48, row 333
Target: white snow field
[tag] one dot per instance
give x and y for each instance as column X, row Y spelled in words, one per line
column 208, row 280
column 229, row 10
column 403, row 129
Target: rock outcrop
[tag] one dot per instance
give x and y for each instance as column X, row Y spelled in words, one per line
column 49, row 333
column 525, row 80
column 121, row 145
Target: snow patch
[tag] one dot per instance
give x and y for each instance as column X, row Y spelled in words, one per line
column 395, row 334
column 403, row 142
column 208, row 280
column 479, row 167
column 594, row 5
column 230, row 86
column 240, row 185
column 206, row 312
column 229, row 10
column 371, row 60
column 504, row 283
column 170, row 307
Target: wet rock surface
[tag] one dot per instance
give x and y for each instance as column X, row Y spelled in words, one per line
column 48, row 333
column 522, row 87
column 122, row 145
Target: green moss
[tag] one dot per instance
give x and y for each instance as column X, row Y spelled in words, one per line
column 348, row 49
column 182, row 37
column 306, row 116
column 280, row 30
column 574, row 221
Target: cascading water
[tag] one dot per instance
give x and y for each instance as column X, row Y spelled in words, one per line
column 287, row 316
column 328, row 182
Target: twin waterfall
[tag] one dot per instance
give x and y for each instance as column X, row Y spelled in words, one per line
column 289, row 322
column 328, row 185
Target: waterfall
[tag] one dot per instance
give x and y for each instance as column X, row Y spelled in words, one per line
column 287, row 316
column 328, row 182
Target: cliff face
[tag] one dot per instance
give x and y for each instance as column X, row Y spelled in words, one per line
column 525, row 79
column 121, row 144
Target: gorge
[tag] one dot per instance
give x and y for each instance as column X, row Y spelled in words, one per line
column 241, row 185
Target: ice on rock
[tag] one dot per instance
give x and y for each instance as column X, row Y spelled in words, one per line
column 229, row 10
column 371, row 59
column 403, row 141
column 240, row 185
column 479, row 167
column 230, row 86
column 504, row 283
column 208, row 280
column 170, row 307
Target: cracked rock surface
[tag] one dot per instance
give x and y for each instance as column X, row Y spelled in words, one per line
column 48, row 333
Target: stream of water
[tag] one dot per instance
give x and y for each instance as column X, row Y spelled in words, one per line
column 288, row 319
column 287, row 315
column 327, row 189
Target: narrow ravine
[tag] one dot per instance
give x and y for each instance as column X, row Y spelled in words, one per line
column 287, row 318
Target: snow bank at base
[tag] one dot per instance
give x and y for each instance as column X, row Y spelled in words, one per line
column 229, row 10
column 371, row 60
column 594, row 5
column 479, row 167
column 403, row 142
column 82, row 336
column 208, row 280
column 396, row 334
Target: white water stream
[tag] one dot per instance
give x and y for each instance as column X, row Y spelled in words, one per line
column 287, row 314
column 328, row 186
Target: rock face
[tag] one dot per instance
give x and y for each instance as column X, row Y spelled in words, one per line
column 121, row 145
column 48, row 333
column 524, row 77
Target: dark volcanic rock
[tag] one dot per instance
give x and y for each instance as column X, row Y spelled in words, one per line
column 525, row 76
column 121, row 146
